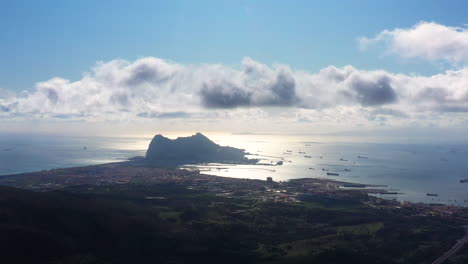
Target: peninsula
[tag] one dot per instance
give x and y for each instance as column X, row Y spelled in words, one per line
column 165, row 152
column 140, row 212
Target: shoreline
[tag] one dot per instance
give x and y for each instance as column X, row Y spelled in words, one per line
column 182, row 202
column 129, row 172
column 193, row 168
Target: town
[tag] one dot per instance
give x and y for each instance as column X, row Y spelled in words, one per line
column 267, row 190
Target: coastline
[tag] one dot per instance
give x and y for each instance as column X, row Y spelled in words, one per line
column 168, row 197
column 133, row 172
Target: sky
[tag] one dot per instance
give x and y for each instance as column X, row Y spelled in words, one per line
column 237, row 66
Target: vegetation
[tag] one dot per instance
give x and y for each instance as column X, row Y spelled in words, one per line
column 167, row 223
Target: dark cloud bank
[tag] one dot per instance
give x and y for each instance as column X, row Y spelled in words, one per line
column 156, row 88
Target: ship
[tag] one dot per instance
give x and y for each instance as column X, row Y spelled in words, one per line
column 302, row 152
column 332, row 174
column 432, row 194
column 347, row 170
column 343, row 159
column 324, row 169
column 362, row 157
column 464, row 180
column 309, row 157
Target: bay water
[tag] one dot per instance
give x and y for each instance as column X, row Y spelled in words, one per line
column 411, row 169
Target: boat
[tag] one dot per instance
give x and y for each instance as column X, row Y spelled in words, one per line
column 302, row 152
column 464, row 180
column 343, row 159
column 324, row 169
column 311, row 169
column 309, row 157
column 288, row 150
column 432, row 194
column 362, row 157
column 347, row 170
column 332, row 174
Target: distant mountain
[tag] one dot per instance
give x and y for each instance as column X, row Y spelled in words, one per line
column 198, row 148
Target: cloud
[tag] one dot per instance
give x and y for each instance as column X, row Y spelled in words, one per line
column 149, row 70
column 426, row 40
column 161, row 89
column 454, row 109
column 225, row 95
column 5, row 94
column 256, row 85
column 373, row 91
column 4, row 108
column 67, row 116
column 283, row 90
column 389, row 112
column 164, row 115
column 7, row 101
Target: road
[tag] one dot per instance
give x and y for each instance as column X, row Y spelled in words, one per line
column 454, row 249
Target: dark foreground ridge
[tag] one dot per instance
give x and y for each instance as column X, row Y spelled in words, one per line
column 195, row 149
column 122, row 213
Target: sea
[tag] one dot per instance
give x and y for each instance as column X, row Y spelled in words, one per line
column 411, row 169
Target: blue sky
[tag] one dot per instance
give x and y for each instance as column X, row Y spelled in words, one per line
column 303, row 66
column 44, row 39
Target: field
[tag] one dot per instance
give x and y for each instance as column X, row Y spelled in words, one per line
column 170, row 223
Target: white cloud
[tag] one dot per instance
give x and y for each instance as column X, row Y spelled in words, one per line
column 153, row 88
column 426, row 40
